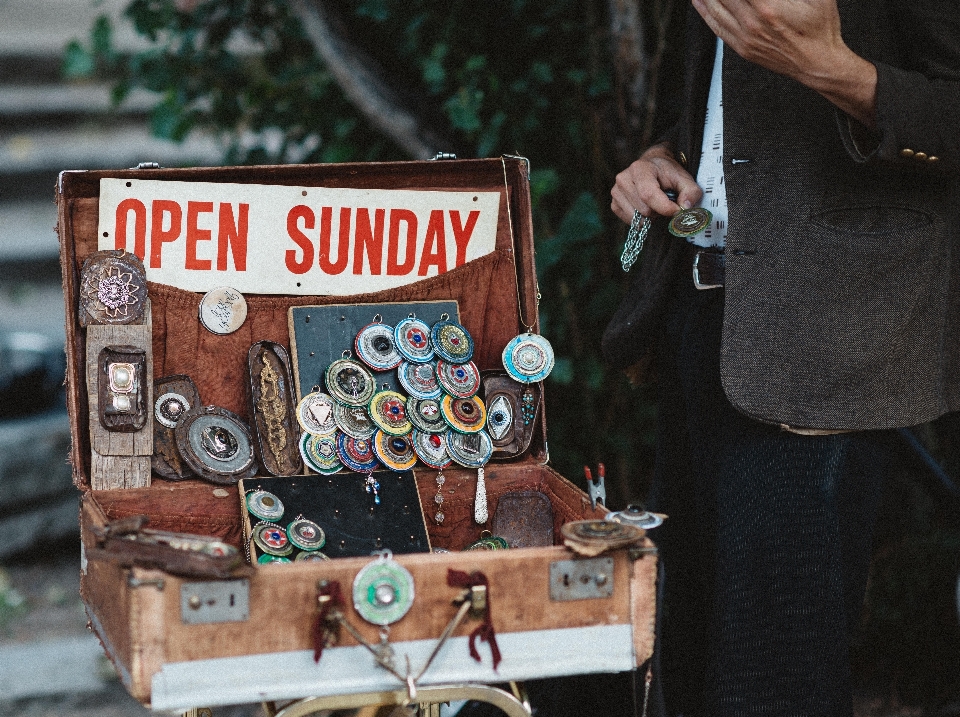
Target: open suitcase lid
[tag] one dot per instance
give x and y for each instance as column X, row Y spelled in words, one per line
column 496, row 293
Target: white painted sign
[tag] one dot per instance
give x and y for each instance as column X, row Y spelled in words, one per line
column 270, row 239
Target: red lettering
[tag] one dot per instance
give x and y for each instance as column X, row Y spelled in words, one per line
column 158, row 235
column 139, row 227
column 462, row 234
column 195, row 234
column 394, row 267
column 368, row 237
column 436, row 237
column 232, row 235
column 343, row 246
column 300, row 239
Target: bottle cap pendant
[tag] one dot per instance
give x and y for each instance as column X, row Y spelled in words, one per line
column 354, row 421
column 376, row 347
column 528, row 358
column 412, row 339
column 420, row 379
column 306, row 535
column 395, row 452
column 459, row 380
column 451, row 342
column 689, row 222
column 272, row 539
column 320, row 453
column 315, row 414
column 223, row 310
column 465, row 415
column 431, row 448
column 470, row 450
column 264, row 505
column 350, row 382
column 356, row 453
column 425, row 414
column 383, row 591
column 388, row 409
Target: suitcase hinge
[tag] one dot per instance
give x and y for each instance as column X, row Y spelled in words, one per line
column 444, row 155
column 522, row 159
column 147, row 165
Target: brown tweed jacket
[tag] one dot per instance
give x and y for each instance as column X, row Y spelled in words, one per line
column 842, row 296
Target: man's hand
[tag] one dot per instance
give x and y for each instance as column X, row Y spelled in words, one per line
column 800, row 39
column 641, row 186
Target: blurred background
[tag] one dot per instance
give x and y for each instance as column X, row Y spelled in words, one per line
column 577, row 86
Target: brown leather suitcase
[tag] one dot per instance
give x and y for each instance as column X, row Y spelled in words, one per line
column 179, row 642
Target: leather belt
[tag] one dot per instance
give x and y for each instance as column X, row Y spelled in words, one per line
column 708, row 266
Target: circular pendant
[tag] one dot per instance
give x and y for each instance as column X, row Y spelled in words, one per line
column 425, row 414
column 271, row 539
column 376, row 348
column 412, row 339
column 451, row 342
column 354, row 421
column 266, row 559
column 223, row 310
column 388, row 409
column 688, row 222
column 470, row 450
column 459, row 380
column 601, row 534
column 383, row 592
column 312, row 557
column 169, row 408
column 637, row 516
column 315, row 414
column 264, row 505
column 216, row 444
column 420, row 379
column 320, row 453
column 431, row 448
column 491, row 542
column 113, row 288
column 528, row 358
column 350, row 382
column 465, row 415
column 306, row 535
column 395, row 452
column 356, row 453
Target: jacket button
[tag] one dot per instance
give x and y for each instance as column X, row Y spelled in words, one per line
column 921, row 156
column 905, row 152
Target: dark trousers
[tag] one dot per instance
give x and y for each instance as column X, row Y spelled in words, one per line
column 767, row 547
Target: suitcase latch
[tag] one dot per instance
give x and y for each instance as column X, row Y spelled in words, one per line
column 215, row 601
column 581, row 579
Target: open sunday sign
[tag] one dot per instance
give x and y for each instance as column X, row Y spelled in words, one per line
column 270, row 239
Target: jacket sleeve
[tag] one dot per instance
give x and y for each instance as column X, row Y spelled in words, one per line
column 918, row 92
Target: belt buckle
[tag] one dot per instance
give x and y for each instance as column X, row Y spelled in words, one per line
column 696, row 274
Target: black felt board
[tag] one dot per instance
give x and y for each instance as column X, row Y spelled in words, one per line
column 353, row 523
column 320, row 334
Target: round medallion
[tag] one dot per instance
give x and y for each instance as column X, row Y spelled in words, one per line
column 395, row 452
column 451, row 342
column 528, row 358
column 113, row 288
column 636, row 516
column 350, row 382
column 264, row 505
column 315, row 414
column 216, row 444
column 470, row 450
column 388, row 409
column 383, row 592
column 425, row 415
column 320, row 453
column 376, row 348
column 271, row 539
column 688, row 222
column 312, row 557
column 459, row 380
column 465, row 415
column 266, row 559
column 412, row 339
column 601, row 534
column 306, row 535
column 356, row 453
column 354, row 421
column 169, row 408
column 223, row 310
column 420, row 379
column 431, row 448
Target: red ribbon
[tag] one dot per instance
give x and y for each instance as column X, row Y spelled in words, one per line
column 319, row 626
column 460, row 579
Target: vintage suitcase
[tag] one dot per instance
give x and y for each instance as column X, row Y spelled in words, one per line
column 179, row 642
